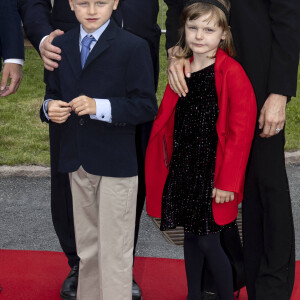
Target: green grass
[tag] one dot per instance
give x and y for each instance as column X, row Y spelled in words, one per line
column 24, row 139
column 293, row 121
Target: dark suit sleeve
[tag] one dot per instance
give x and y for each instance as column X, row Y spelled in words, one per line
column 53, row 91
column 285, row 25
column 175, row 8
column 35, row 15
column 11, row 35
column 140, row 105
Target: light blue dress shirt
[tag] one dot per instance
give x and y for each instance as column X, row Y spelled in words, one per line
column 103, row 106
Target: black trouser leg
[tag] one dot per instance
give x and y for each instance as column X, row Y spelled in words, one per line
column 141, row 139
column 196, row 249
column 268, row 223
column 61, row 201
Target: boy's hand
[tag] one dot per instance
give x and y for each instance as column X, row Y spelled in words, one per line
column 83, row 105
column 176, row 69
column 58, row 111
column 222, row 196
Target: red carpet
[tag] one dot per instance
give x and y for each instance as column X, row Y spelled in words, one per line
column 37, row 275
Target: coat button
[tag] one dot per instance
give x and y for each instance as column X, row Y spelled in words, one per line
column 81, row 122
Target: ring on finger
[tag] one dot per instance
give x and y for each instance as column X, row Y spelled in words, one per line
column 277, row 130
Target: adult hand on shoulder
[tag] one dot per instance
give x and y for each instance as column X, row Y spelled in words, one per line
column 58, row 111
column 272, row 115
column 176, row 69
column 222, row 196
column 13, row 72
column 83, row 105
column 49, row 53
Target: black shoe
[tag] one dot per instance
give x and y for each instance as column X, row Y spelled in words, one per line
column 69, row 287
column 136, row 291
column 209, row 296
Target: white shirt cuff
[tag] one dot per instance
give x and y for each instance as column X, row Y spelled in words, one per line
column 45, row 108
column 103, row 110
column 14, row 61
column 42, row 41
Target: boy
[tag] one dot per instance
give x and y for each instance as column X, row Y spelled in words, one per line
column 98, row 96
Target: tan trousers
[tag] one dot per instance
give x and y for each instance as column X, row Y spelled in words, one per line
column 104, row 219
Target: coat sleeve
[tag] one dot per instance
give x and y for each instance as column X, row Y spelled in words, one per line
column 285, row 24
column 35, row 15
column 53, row 90
column 11, row 35
column 140, row 105
column 175, row 8
column 241, row 118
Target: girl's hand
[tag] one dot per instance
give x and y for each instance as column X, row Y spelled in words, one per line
column 222, row 196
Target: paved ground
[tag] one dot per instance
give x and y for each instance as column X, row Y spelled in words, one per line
column 25, row 219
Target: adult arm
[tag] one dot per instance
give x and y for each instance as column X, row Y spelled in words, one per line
column 282, row 80
column 36, row 17
column 12, row 46
column 285, row 24
column 176, row 67
column 172, row 21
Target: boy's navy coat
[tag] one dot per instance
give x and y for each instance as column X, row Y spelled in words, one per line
column 119, row 68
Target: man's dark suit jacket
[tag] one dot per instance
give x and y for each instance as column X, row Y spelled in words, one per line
column 112, row 71
column 11, row 36
column 138, row 16
column 266, row 38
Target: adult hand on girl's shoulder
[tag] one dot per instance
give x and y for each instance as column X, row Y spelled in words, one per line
column 222, row 196
column 176, row 69
column 272, row 115
column 58, row 111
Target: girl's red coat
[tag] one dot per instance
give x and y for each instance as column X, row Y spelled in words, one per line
column 235, row 129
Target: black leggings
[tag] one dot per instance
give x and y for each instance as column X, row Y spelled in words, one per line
column 196, row 250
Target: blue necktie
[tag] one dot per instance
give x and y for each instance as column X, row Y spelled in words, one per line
column 85, row 48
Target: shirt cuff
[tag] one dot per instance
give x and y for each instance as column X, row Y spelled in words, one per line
column 45, row 108
column 14, row 61
column 103, row 110
column 42, row 41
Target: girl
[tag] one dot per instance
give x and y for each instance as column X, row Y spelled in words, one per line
column 207, row 135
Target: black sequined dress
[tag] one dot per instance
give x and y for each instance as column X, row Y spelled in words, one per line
column 187, row 193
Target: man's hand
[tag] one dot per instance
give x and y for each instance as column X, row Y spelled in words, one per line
column 83, row 105
column 176, row 69
column 222, row 196
column 14, row 73
column 58, row 111
column 272, row 115
column 49, row 53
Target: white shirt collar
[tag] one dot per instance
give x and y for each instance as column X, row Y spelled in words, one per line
column 96, row 34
